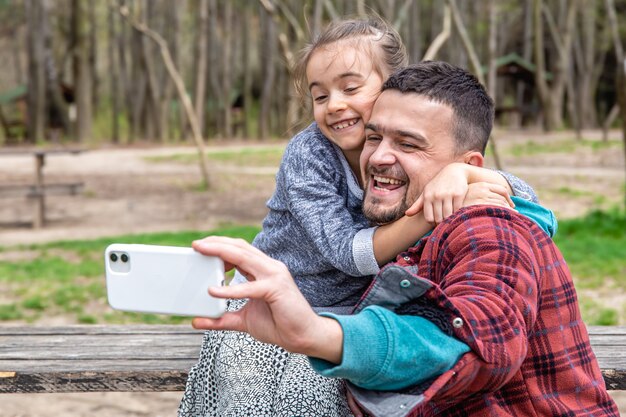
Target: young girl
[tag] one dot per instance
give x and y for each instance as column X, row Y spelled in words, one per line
column 315, row 226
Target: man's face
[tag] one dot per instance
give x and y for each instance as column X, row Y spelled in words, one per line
column 408, row 141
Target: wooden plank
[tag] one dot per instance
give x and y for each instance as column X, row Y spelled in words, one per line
column 158, row 357
column 97, row 358
column 32, row 191
column 35, row 151
column 94, row 381
column 609, row 346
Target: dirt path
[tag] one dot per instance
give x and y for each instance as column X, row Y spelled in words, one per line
column 125, row 193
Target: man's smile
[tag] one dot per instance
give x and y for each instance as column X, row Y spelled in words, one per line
column 386, row 184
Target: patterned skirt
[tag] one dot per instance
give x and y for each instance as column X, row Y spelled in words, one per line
column 238, row 376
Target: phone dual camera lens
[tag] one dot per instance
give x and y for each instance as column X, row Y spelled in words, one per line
column 114, row 257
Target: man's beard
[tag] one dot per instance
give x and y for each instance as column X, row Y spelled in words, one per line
column 372, row 208
column 378, row 215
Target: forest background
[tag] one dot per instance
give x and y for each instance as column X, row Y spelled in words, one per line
column 198, row 73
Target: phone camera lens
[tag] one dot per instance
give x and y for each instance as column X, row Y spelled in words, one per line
column 113, row 257
column 124, row 257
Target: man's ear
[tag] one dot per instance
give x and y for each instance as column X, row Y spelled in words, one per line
column 474, row 158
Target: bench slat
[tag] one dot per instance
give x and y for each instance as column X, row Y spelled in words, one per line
column 158, row 357
column 95, row 381
column 28, row 190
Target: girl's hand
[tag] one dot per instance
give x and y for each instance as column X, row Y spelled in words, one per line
column 443, row 195
column 489, row 194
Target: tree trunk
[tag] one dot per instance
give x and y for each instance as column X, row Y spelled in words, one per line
column 36, row 98
column 57, row 107
column 126, row 87
column 247, row 71
column 82, row 73
column 172, row 17
column 137, row 88
column 527, row 53
column 572, row 108
column 415, row 37
column 227, row 72
column 551, row 96
column 318, row 11
column 268, row 53
column 114, row 84
column 620, row 77
column 213, row 74
column 17, row 59
column 492, row 74
column 93, row 56
column 153, row 105
column 608, row 122
column 201, row 61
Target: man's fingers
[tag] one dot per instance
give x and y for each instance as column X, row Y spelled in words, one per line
column 238, row 253
column 251, row 289
column 229, row 321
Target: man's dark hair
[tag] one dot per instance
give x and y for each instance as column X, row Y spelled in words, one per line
column 455, row 87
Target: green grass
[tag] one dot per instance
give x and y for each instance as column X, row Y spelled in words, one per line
column 258, row 157
column 560, row 146
column 594, row 247
column 596, row 314
column 67, row 278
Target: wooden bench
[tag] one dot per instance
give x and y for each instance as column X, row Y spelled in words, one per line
column 157, row 358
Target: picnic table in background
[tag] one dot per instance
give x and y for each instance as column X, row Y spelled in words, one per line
column 39, row 189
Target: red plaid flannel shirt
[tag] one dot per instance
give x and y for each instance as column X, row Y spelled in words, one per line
column 506, row 280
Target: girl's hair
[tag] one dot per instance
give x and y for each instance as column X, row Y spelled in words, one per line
column 392, row 50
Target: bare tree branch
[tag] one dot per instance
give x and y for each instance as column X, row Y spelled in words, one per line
column 467, row 42
column 441, row 38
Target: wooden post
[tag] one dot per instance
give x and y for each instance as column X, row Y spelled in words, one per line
column 40, row 203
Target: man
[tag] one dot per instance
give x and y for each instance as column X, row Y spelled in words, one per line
column 479, row 318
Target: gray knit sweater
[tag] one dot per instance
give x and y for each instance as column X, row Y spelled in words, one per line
column 315, row 224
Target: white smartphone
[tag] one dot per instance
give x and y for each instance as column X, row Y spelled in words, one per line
column 163, row 279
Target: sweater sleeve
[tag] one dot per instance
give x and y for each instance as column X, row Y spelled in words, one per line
column 520, row 187
column 313, row 178
column 386, row 351
column 544, row 217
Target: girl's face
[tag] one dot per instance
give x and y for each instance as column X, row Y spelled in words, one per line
column 344, row 85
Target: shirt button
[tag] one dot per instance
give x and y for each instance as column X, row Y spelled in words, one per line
column 457, row 322
column 407, row 258
column 405, row 283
